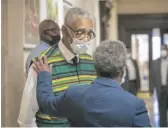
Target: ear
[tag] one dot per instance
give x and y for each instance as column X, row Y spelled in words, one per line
column 46, row 36
column 65, row 31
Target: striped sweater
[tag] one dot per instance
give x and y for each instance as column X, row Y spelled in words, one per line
column 63, row 76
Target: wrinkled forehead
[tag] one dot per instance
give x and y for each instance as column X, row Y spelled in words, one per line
column 85, row 23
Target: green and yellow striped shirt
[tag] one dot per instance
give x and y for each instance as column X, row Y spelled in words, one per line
column 64, row 75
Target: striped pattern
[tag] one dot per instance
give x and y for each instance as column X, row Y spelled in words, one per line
column 63, row 76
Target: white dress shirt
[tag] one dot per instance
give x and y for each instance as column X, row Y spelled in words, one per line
column 164, row 69
column 131, row 70
column 29, row 105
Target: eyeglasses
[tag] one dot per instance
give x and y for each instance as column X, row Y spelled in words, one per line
column 81, row 33
column 57, row 30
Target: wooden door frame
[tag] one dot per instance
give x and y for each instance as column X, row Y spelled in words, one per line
column 139, row 21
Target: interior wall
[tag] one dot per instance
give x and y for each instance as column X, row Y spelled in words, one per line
column 12, row 63
column 113, row 22
column 133, row 7
column 3, row 62
column 93, row 7
column 78, row 3
column 142, row 6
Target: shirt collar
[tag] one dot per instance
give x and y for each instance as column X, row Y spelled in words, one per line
column 107, row 82
column 68, row 55
column 42, row 42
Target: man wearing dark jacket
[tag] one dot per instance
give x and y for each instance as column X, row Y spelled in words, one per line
column 160, row 83
column 103, row 103
column 132, row 83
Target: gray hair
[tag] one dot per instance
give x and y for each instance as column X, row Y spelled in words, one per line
column 110, row 57
column 74, row 13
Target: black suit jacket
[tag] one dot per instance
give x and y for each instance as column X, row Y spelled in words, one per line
column 125, row 85
column 156, row 76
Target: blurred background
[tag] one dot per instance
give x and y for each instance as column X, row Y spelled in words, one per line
column 141, row 24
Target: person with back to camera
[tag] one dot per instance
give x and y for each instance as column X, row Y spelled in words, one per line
column 103, row 103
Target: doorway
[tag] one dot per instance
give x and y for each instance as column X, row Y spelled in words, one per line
column 141, row 49
column 141, row 28
column 144, row 34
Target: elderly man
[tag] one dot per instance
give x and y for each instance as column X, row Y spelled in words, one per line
column 49, row 32
column 70, row 65
column 103, row 103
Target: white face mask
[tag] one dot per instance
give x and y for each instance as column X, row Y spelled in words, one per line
column 163, row 53
column 80, row 47
column 123, row 77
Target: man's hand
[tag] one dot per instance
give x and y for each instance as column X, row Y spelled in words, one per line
column 41, row 65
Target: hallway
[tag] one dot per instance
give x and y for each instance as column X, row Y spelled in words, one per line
column 141, row 25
